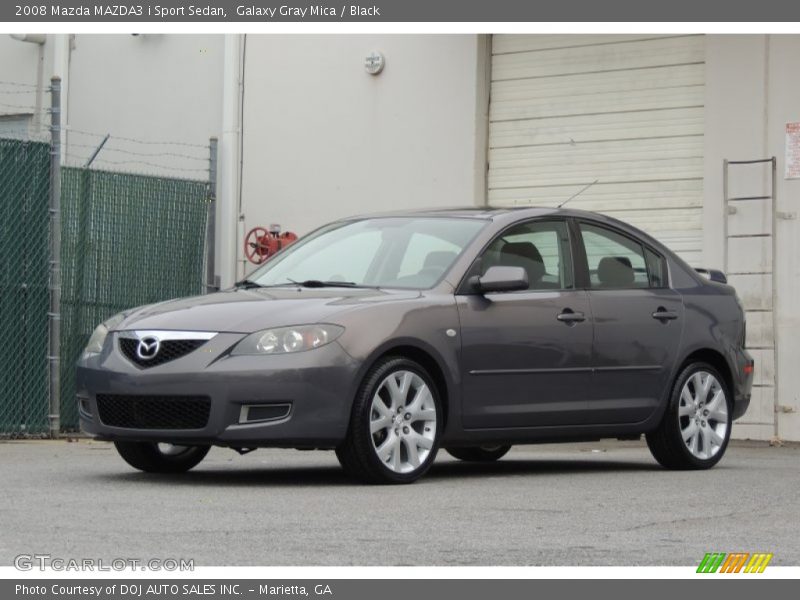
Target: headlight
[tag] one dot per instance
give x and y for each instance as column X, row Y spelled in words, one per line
column 98, row 338
column 283, row 340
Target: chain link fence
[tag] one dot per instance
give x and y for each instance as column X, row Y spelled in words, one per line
column 24, row 289
column 127, row 240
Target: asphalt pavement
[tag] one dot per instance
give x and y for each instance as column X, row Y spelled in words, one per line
column 578, row 504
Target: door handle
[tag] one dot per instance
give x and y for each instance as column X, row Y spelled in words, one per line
column 664, row 315
column 570, row 317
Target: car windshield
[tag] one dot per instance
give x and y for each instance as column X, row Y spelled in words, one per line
column 398, row 252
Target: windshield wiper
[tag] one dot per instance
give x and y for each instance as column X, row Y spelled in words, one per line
column 317, row 283
column 246, row 284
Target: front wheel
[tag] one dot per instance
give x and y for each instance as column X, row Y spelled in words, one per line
column 696, row 426
column 479, row 453
column 161, row 458
column 395, row 424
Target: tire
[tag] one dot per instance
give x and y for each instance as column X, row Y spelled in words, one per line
column 696, row 426
column 395, row 424
column 161, row 458
column 479, row 453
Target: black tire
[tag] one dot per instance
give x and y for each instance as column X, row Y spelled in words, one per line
column 666, row 443
column 479, row 453
column 148, row 457
column 357, row 454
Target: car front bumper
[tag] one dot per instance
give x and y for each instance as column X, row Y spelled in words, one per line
column 317, row 385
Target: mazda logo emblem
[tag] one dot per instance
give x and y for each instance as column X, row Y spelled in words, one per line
column 148, row 347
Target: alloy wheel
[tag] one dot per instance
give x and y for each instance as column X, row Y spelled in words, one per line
column 403, row 421
column 703, row 415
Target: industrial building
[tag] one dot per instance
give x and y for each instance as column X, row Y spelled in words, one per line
column 311, row 128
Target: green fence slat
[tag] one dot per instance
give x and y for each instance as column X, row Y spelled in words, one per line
column 24, row 295
column 127, row 240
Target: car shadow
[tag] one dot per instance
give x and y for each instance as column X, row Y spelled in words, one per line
column 305, row 476
column 510, row 467
column 233, row 476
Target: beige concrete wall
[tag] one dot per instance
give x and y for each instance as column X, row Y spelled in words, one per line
column 784, row 106
column 323, row 139
column 153, row 88
column 19, row 62
column 751, row 92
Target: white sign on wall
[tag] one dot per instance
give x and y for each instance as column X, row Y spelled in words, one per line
column 792, row 151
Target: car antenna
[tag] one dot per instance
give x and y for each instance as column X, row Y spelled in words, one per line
column 578, row 193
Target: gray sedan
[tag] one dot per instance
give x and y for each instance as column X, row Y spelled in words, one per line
column 387, row 337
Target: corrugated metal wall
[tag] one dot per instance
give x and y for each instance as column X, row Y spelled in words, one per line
column 626, row 110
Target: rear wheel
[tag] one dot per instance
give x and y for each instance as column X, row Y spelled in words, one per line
column 479, row 453
column 696, row 427
column 161, row 458
column 395, row 424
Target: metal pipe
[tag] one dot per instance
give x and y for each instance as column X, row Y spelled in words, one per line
column 229, row 146
column 37, row 109
column 775, row 320
column 54, row 314
column 39, row 39
column 211, row 220
column 96, row 152
column 62, row 48
column 726, row 215
column 31, row 38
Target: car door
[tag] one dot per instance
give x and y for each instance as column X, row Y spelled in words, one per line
column 638, row 323
column 526, row 355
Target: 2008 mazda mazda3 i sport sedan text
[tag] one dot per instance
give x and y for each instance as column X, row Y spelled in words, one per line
column 387, row 337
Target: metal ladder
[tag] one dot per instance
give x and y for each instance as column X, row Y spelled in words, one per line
column 731, row 209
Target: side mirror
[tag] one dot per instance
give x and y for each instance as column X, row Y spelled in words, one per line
column 713, row 275
column 500, row 279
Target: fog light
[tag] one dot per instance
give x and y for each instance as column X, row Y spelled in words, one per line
column 262, row 413
column 85, row 407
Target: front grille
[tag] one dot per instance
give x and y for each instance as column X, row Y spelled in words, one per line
column 169, row 350
column 153, row 412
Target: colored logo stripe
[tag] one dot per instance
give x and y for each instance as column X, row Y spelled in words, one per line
column 734, row 562
column 711, row 562
column 758, row 563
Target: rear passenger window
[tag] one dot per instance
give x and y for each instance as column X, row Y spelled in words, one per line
column 615, row 261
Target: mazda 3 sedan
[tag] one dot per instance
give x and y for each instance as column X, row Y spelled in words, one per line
column 387, row 337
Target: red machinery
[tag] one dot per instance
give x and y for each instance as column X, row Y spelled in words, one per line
column 260, row 243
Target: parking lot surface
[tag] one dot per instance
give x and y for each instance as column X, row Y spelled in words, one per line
column 579, row 504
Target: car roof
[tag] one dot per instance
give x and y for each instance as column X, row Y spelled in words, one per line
column 509, row 215
column 476, row 212
column 484, row 212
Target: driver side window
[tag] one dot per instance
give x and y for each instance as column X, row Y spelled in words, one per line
column 542, row 248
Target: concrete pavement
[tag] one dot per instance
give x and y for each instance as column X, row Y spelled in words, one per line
column 578, row 504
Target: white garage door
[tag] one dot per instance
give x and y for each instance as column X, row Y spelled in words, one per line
column 625, row 110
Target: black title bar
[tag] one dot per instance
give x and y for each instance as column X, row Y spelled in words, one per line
column 731, row 588
column 401, row 11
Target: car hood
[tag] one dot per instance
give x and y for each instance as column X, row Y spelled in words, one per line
column 248, row 310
